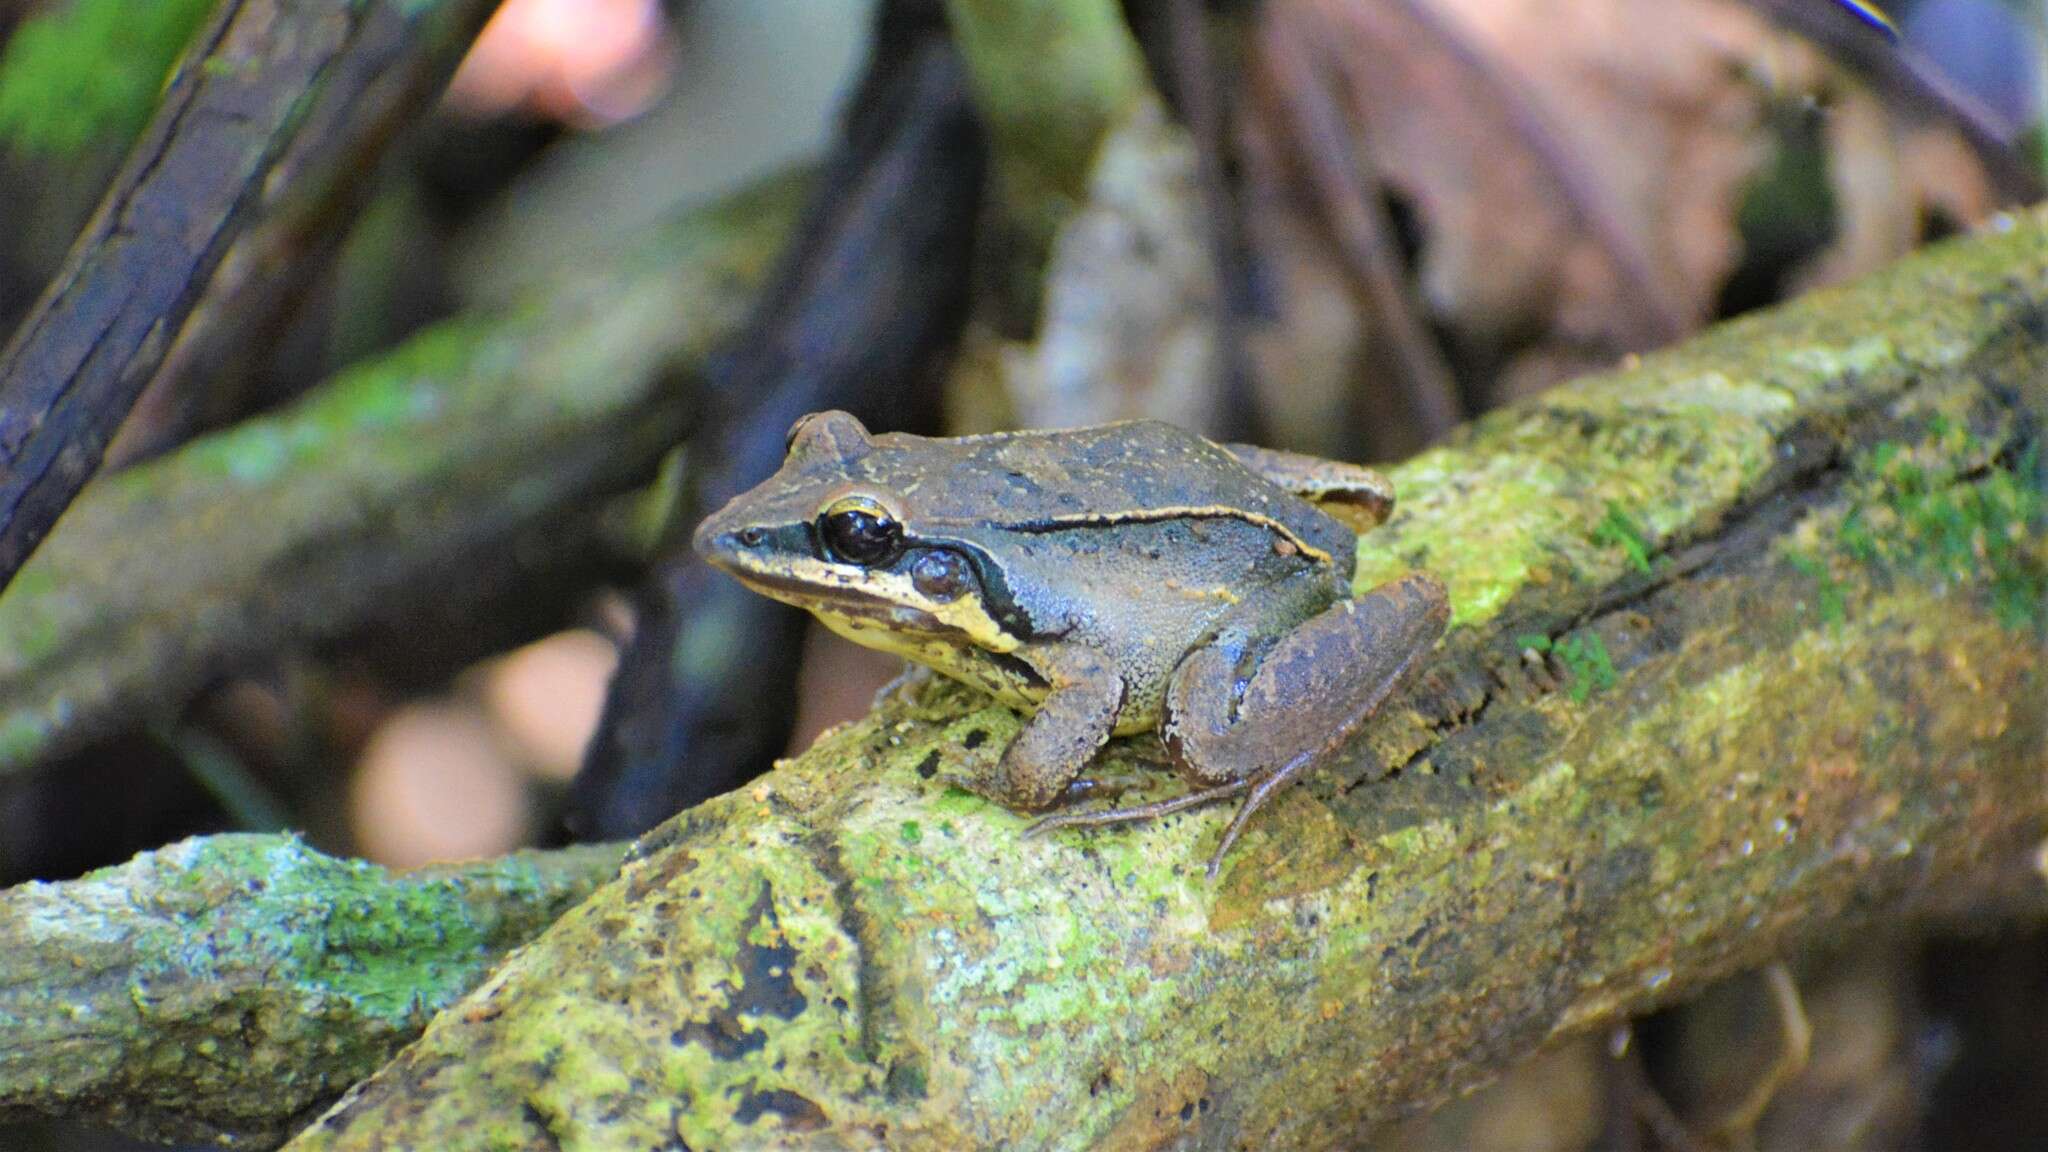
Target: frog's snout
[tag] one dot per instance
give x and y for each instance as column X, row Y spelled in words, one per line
column 718, row 542
column 728, row 542
column 708, row 539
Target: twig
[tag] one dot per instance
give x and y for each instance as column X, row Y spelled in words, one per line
column 1342, row 175
column 226, row 143
column 418, row 486
column 1905, row 78
column 1207, row 95
column 369, row 100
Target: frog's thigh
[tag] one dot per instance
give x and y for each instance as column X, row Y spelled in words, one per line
column 1311, row 687
column 1071, row 725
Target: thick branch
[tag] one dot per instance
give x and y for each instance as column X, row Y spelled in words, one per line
column 1745, row 657
column 265, row 102
column 224, row 987
column 471, row 454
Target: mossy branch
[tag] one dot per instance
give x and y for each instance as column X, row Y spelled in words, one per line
column 224, row 987
column 1819, row 709
column 273, row 96
column 413, row 480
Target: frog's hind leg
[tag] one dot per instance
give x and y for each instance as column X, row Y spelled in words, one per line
column 1312, row 693
column 1146, row 811
column 1308, row 696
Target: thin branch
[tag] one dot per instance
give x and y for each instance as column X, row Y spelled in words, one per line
column 226, row 987
column 270, row 87
column 1341, row 172
column 1208, row 92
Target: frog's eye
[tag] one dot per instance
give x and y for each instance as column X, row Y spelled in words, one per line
column 859, row 530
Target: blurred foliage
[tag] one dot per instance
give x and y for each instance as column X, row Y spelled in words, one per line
column 86, row 74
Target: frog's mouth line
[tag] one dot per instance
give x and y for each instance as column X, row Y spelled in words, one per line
column 847, row 600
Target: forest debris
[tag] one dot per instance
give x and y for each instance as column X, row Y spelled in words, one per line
column 408, row 486
column 275, row 95
column 1576, row 172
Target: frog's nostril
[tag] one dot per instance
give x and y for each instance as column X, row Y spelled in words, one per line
column 752, row 537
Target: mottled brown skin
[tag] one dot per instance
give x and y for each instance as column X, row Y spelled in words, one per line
column 1106, row 581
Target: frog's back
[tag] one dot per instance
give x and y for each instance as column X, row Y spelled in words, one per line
column 1141, row 469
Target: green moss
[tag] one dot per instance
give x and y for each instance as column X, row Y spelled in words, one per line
column 412, row 385
column 1618, row 530
column 237, row 981
column 1913, row 510
column 87, row 73
column 1583, row 655
column 1827, row 589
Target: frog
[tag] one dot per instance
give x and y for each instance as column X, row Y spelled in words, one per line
column 1103, row 581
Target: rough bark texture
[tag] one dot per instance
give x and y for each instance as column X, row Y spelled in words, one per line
column 267, row 100
column 225, row 987
column 1745, row 657
column 432, row 476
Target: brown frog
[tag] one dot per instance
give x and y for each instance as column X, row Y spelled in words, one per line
column 1105, row 581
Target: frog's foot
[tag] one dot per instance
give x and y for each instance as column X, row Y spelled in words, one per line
column 903, row 687
column 1103, row 817
column 1261, row 789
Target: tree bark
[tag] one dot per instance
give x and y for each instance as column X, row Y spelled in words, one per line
column 225, row 987
column 465, row 460
column 1745, row 657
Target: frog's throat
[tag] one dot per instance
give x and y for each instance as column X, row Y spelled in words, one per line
column 886, row 603
column 949, row 654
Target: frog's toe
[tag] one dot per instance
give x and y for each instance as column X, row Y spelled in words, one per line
column 1103, row 817
column 904, row 687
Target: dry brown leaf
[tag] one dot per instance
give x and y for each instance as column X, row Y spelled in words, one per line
column 1575, row 167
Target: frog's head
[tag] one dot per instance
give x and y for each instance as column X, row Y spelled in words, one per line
column 833, row 532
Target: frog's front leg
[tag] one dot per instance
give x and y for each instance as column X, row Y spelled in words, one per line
column 1083, row 698
column 1311, row 692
